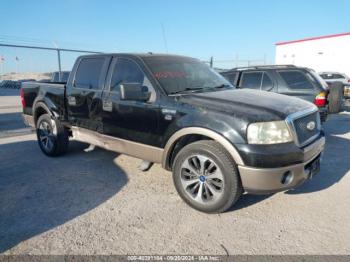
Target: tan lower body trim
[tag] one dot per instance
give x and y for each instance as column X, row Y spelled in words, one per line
column 269, row 179
column 138, row 150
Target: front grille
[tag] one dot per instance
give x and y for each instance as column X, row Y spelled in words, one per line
column 302, row 132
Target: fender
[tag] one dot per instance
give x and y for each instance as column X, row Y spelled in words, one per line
column 200, row 131
column 42, row 104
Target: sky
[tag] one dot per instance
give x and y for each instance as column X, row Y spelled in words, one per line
column 224, row 29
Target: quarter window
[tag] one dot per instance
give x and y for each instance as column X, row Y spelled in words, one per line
column 89, row 73
column 296, row 80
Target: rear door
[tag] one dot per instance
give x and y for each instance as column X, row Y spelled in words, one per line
column 259, row 80
column 84, row 92
column 131, row 120
column 298, row 83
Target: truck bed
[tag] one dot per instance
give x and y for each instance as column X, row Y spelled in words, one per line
column 52, row 94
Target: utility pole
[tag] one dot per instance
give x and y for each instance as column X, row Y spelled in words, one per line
column 59, row 64
column 1, row 66
column 17, row 60
column 211, row 61
column 59, row 60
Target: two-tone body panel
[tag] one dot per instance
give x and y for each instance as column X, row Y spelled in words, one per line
column 91, row 106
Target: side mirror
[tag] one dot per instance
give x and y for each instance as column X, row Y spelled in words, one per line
column 135, row 92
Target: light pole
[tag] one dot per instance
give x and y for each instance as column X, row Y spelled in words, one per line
column 1, row 66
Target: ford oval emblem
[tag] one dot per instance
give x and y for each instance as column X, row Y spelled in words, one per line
column 311, row 125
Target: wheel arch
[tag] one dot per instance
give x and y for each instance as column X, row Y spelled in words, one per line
column 40, row 108
column 200, row 133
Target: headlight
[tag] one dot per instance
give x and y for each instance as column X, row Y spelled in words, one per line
column 269, row 133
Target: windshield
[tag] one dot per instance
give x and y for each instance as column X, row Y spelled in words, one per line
column 182, row 74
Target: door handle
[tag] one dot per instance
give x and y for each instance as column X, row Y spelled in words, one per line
column 72, row 101
column 107, row 105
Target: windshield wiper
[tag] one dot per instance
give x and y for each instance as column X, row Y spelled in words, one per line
column 187, row 90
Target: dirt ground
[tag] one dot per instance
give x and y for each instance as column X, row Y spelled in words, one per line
column 100, row 203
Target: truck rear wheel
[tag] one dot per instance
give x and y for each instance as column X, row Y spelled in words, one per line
column 206, row 177
column 52, row 136
column 336, row 93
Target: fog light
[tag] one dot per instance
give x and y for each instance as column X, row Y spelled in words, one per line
column 287, row 178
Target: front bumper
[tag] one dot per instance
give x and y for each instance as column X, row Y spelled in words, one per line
column 257, row 180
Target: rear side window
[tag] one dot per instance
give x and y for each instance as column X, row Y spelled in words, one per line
column 126, row 71
column 251, row 80
column 296, row 80
column 89, row 73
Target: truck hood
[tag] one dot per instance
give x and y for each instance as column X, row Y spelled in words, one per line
column 247, row 103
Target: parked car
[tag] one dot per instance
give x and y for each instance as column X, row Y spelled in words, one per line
column 218, row 141
column 341, row 83
column 289, row 80
column 331, row 77
column 60, row 77
column 13, row 84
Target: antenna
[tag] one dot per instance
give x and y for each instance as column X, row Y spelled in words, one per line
column 164, row 38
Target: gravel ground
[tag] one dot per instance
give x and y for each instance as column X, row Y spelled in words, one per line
column 100, row 203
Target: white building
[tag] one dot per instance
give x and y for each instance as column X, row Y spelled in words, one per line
column 324, row 53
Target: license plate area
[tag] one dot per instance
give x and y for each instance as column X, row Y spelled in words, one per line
column 313, row 167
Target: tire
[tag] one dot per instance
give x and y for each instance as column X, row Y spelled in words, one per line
column 52, row 136
column 335, row 97
column 220, row 185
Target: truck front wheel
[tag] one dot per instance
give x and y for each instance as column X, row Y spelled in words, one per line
column 206, row 177
column 52, row 136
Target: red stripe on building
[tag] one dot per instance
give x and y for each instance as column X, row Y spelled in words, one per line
column 311, row 39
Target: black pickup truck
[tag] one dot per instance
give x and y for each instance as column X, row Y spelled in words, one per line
column 218, row 142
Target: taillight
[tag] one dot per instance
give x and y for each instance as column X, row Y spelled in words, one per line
column 349, row 81
column 321, row 99
column 22, row 98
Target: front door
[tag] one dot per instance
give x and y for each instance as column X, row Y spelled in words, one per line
column 131, row 120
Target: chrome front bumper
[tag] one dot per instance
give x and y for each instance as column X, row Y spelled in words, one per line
column 270, row 180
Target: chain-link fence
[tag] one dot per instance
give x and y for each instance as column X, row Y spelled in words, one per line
column 19, row 63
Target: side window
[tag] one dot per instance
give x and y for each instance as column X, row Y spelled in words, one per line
column 89, row 73
column 267, row 84
column 296, row 80
column 251, row 80
column 231, row 77
column 126, row 71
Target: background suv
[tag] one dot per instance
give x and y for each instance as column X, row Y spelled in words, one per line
column 331, row 77
column 289, row 80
